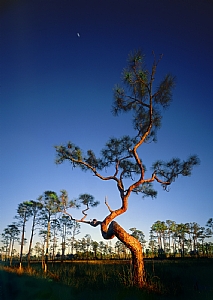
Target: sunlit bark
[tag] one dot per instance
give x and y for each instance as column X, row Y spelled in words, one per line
column 114, row 229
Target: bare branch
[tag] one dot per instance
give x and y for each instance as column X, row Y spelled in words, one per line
column 93, row 223
column 83, row 211
column 108, row 205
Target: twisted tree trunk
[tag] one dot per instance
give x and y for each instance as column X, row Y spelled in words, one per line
column 114, row 229
column 110, row 229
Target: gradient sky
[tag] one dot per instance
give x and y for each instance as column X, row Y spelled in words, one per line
column 56, row 87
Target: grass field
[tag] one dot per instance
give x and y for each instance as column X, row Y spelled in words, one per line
column 179, row 279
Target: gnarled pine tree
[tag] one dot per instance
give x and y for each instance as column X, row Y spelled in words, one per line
column 144, row 102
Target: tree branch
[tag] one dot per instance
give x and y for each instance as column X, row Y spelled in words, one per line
column 83, row 211
column 161, row 181
column 108, row 205
column 81, row 162
column 93, row 223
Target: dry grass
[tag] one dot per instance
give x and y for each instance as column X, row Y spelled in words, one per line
column 191, row 279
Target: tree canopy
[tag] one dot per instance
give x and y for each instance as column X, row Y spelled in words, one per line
column 145, row 102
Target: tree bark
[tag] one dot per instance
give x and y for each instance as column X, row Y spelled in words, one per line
column 22, row 241
column 31, row 241
column 47, row 245
column 138, row 272
column 11, row 253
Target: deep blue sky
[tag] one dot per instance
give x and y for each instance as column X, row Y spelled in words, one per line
column 56, row 87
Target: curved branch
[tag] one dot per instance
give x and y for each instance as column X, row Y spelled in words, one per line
column 93, row 223
column 83, row 211
column 141, row 141
column 106, row 228
column 80, row 162
column 161, row 181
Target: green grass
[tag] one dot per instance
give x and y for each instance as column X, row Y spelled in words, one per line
column 188, row 279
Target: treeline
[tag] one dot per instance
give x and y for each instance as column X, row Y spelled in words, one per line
column 47, row 221
column 171, row 238
column 58, row 236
